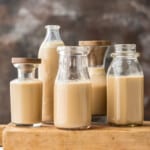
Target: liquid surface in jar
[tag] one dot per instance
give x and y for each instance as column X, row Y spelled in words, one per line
column 72, row 104
column 98, row 80
column 125, row 99
column 26, row 101
column 47, row 73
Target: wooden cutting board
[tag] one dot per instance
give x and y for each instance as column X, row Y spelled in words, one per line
column 101, row 137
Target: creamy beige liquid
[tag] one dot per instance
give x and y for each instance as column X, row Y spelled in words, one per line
column 47, row 73
column 98, row 79
column 72, row 105
column 125, row 100
column 26, row 101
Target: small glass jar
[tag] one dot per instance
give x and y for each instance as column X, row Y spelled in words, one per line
column 125, row 88
column 98, row 77
column 26, row 93
column 72, row 90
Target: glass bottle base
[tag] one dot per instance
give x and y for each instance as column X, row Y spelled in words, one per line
column 125, row 125
column 74, row 128
column 26, row 125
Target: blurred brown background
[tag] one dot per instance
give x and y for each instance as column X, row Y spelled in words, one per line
column 22, row 31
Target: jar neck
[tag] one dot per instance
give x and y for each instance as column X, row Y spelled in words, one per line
column 73, row 68
column 52, row 33
column 125, row 51
column 73, row 62
column 26, row 75
column 127, row 48
column 26, row 71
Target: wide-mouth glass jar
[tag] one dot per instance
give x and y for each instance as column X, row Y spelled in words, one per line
column 125, row 87
column 72, row 90
column 96, row 69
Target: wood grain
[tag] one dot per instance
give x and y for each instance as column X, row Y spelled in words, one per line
column 1, row 130
column 98, row 138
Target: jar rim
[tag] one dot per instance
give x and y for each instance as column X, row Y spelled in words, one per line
column 97, row 46
column 95, row 43
column 125, row 47
column 16, row 60
column 73, row 50
column 54, row 27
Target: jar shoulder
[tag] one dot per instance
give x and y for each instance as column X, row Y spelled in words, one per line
column 125, row 67
column 47, row 48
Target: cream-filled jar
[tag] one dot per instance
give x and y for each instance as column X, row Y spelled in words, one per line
column 72, row 92
column 26, row 93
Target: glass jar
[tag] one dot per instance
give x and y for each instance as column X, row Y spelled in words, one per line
column 98, row 77
column 48, row 69
column 72, row 92
column 125, row 87
column 26, row 93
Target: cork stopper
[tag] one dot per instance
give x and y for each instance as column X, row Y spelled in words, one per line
column 16, row 60
column 95, row 43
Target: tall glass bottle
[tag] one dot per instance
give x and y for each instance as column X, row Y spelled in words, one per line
column 125, row 87
column 48, row 69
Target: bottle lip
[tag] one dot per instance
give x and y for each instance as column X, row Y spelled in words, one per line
column 125, row 47
column 16, row 60
column 95, row 43
column 53, row 27
column 73, row 50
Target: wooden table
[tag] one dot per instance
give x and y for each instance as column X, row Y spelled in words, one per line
column 102, row 137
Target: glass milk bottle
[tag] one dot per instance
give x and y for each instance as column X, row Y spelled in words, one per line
column 72, row 93
column 26, row 93
column 125, row 87
column 98, row 77
column 48, row 69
